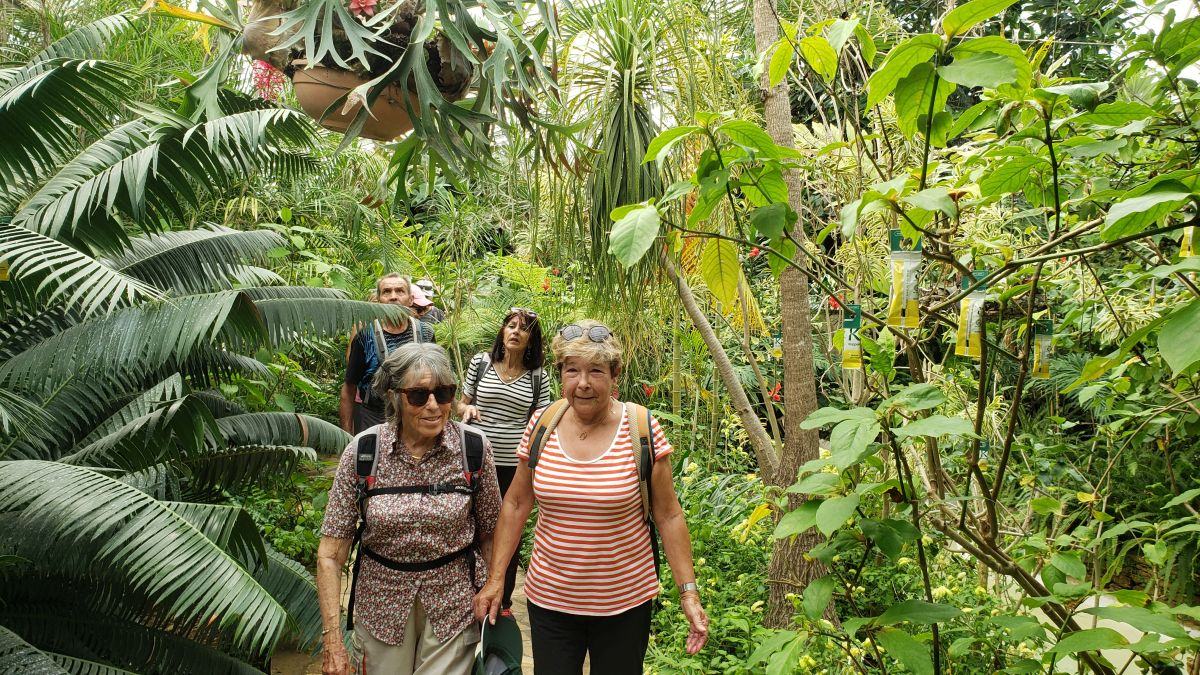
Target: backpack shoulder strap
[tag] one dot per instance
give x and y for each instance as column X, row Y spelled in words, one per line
column 366, row 459
column 536, row 376
column 643, row 451
column 472, row 443
column 545, row 424
column 380, row 340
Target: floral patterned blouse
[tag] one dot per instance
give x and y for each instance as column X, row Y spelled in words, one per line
column 413, row 528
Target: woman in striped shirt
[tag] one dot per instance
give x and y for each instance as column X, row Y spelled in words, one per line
column 592, row 580
column 501, row 390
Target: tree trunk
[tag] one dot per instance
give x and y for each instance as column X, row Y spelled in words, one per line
column 760, row 440
column 789, row 571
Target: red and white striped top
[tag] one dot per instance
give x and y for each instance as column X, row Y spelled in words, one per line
column 591, row 550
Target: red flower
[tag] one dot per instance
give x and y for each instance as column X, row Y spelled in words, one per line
column 554, row 271
column 833, row 303
column 775, row 393
column 648, row 389
column 268, row 82
column 754, row 252
column 546, row 284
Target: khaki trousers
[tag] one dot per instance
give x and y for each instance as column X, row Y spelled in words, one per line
column 421, row 653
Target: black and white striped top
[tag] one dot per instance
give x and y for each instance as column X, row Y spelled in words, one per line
column 503, row 407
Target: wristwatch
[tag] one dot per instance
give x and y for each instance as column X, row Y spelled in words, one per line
column 689, row 586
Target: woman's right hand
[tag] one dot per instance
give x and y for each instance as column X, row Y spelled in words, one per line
column 335, row 659
column 489, row 599
column 470, row 412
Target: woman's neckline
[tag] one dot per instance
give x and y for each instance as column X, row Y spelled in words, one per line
column 611, row 444
column 505, row 382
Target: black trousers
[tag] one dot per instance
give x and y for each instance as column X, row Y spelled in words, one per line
column 616, row 644
column 505, row 474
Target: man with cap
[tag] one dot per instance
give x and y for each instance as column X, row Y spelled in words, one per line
column 422, row 303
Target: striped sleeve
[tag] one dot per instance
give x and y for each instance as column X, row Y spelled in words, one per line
column 523, row 448
column 471, row 379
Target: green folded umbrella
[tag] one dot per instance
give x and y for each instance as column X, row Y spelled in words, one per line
column 500, row 647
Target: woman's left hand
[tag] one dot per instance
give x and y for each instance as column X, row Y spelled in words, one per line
column 697, row 621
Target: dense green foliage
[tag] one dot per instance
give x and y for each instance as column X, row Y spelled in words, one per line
column 181, row 280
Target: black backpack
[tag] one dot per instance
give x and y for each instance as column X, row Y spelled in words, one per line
column 472, row 444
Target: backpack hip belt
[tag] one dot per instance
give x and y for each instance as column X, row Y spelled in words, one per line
column 425, row 566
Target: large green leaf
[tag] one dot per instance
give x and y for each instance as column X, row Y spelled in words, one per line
column 904, row 648
column 851, row 439
column 915, row 397
column 1142, row 619
column 633, row 233
column 820, row 56
column 1089, row 640
column 293, row 587
column 995, row 45
column 834, row 512
column 980, row 70
column 798, row 520
column 662, row 144
column 1009, row 176
column 289, row 318
column 194, row 261
column 917, row 611
column 965, row 16
column 721, row 269
column 1134, row 214
column 817, row 595
column 898, row 63
column 915, row 97
column 153, row 550
column 1177, row 341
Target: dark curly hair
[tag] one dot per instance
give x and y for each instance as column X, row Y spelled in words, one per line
column 535, row 352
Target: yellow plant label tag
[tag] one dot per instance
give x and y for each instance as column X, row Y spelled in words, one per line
column 969, row 338
column 1041, row 357
column 903, row 311
column 1187, row 246
column 851, row 345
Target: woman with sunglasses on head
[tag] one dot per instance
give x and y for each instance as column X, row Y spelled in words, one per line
column 502, row 389
column 418, row 494
column 600, row 493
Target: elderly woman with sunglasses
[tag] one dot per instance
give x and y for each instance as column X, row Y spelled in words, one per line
column 427, row 506
column 592, row 578
column 502, row 389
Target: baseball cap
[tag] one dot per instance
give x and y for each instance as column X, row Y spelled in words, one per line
column 427, row 286
column 418, row 297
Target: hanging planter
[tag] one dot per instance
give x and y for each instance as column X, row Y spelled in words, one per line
column 320, row 87
column 360, row 50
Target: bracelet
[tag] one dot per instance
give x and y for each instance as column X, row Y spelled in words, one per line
column 689, row 586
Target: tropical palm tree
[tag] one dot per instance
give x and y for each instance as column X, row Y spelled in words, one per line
column 115, row 451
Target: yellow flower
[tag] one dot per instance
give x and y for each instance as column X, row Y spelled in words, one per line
column 757, row 606
column 940, row 592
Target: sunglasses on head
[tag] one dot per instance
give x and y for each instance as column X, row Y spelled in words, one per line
column 419, row 396
column 512, row 311
column 573, row 331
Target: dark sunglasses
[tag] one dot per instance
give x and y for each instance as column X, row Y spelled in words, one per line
column 419, row 396
column 573, row 331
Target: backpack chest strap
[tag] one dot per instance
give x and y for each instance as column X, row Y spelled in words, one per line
column 434, row 489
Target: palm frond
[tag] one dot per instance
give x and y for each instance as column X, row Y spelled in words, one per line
column 77, row 666
column 21, row 328
column 229, row 527
column 87, row 41
column 43, row 105
column 240, row 466
column 283, row 428
column 18, row 656
column 65, row 274
column 66, row 627
column 192, row 261
column 258, row 293
column 218, row 404
column 160, row 481
column 137, row 340
column 289, row 318
column 293, row 587
column 181, row 427
column 153, row 182
column 18, row 411
column 147, row 546
column 168, row 389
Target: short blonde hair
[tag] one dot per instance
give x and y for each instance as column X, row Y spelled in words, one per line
column 607, row 352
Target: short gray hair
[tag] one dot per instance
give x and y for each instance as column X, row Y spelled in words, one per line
column 407, row 363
